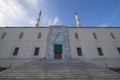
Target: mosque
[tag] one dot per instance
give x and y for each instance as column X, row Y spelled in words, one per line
column 60, row 52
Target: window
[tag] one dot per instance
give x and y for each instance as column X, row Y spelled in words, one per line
column 3, row 35
column 36, row 52
column 39, row 35
column 16, row 51
column 76, row 36
column 112, row 35
column 94, row 35
column 21, row 35
column 118, row 49
column 100, row 51
column 79, row 51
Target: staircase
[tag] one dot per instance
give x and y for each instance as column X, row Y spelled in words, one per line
column 58, row 69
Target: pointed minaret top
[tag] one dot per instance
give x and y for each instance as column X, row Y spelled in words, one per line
column 38, row 20
column 39, row 13
column 76, row 13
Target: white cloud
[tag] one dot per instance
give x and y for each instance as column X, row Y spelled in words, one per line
column 17, row 13
column 54, row 21
column 103, row 25
column 33, row 3
column 10, row 12
column 32, row 22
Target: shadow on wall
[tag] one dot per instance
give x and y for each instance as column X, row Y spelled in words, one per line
column 115, row 70
column 3, row 68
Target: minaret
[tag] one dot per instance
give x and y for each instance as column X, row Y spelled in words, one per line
column 77, row 19
column 38, row 20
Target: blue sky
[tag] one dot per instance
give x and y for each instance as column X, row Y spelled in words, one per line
column 92, row 13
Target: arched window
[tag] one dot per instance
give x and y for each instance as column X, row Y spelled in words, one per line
column 112, row 35
column 94, row 35
column 76, row 36
column 3, row 35
column 39, row 35
column 21, row 35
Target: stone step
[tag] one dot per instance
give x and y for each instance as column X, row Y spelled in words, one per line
column 52, row 69
column 59, row 70
column 60, row 75
column 67, row 71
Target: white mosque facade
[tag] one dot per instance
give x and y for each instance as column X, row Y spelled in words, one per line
column 100, row 46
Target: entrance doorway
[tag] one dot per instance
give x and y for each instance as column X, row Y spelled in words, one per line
column 58, row 56
column 58, row 51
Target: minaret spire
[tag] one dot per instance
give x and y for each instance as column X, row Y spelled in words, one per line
column 77, row 19
column 38, row 20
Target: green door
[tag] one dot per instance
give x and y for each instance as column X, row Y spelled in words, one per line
column 57, row 48
column 58, row 51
